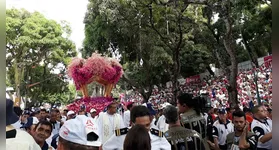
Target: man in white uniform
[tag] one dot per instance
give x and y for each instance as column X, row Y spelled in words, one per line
column 161, row 124
column 139, row 115
column 108, row 122
column 127, row 114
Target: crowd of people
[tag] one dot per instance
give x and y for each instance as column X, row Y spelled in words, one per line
column 186, row 126
column 216, row 88
column 135, row 125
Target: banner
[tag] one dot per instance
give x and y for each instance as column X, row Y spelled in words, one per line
column 268, row 60
column 193, row 79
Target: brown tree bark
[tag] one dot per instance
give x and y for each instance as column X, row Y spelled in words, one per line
column 228, row 43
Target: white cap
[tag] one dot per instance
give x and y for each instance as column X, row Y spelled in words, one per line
column 70, row 113
column 93, row 110
column 77, row 131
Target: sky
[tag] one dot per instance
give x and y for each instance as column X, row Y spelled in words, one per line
column 72, row 11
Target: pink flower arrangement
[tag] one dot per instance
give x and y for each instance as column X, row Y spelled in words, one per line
column 79, row 73
column 98, row 103
column 83, row 71
column 108, row 73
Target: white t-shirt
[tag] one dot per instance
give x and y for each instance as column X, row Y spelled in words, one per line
column 22, row 141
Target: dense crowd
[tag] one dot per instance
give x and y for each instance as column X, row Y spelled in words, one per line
column 185, row 126
column 215, row 87
column 134, row 125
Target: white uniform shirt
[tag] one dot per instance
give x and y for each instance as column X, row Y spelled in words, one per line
column 126, row 118
column 22, row 141
column 260, row 129
column 117, row 142
column 152, row 125
column 162, row 125
column 111, row 122
column 220, row 131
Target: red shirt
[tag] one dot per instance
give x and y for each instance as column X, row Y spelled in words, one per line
column 249, row 119
column 229, row 116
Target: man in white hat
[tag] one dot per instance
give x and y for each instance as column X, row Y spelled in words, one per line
column 17, row 139
column 139, row 115
column 93, row 113
column 71, row 115
column 80, row 133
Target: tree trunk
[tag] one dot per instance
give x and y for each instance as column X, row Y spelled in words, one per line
column 19, row 72
column 176, row 73
column 228, row 43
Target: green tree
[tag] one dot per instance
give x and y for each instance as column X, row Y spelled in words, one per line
column 125, row 32
column 35, row 46
column 182, row 32
column 147, row 32
column 243, row 21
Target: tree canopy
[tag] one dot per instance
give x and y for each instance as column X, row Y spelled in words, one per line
column 36, row 48
column 161, row 41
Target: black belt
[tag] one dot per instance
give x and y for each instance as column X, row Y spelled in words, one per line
column 11, row 134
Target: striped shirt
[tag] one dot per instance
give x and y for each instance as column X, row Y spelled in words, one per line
column 190, row 120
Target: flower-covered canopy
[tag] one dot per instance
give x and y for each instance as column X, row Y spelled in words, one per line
column 104, row 70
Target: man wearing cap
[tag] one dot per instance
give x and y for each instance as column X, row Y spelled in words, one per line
column 93, row 113
column 80, row 133
column 71, row 115
column 221, row 128
column 30, row 125
column 126, row 117
column 24, row 116
column 139, row 115
column 17, row 139
column 109, row 121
